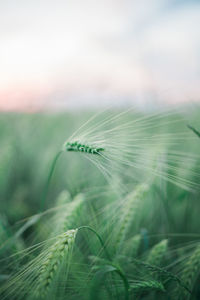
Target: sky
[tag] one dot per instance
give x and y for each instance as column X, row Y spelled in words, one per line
column 81, row 53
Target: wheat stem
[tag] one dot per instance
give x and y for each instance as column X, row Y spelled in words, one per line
column 53, row 165
column 118, row 270
column 99, row 237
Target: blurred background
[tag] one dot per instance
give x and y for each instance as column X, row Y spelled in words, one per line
column 62, row 61
column 79, row 54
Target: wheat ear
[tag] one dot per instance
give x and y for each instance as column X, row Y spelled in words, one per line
column 189, row 274
column 131, row 246
column 129, row 212
column 77, row 146
column 69, row 214
column 158, row 253
column 144, row 286
column 57, row 253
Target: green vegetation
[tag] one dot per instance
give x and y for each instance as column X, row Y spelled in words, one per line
column 100, row 206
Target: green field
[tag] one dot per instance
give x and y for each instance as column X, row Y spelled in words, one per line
column 116, row 217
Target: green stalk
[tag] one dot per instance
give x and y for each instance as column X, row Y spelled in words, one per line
column 194, row 130
column 118, row 270
column 100, row 239
column 45, row 193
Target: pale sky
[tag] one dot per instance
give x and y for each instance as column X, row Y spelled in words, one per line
column 85, row 52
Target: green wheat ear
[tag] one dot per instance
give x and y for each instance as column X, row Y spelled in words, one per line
column 50, row 266
column 77, row 146
column 189, row 275
column 147, row 286
column 158, row 253
column 70, row 213
column 132, row 246
column 129, row 214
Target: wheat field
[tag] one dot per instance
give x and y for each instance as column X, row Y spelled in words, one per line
column 100, row 205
